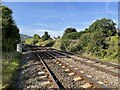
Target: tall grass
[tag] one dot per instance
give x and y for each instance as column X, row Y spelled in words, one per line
column 10, row 65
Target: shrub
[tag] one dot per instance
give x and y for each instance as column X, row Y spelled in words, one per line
column 49, row 43
column 73, row 35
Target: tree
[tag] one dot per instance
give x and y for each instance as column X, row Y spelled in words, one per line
column 58, row 37
column 10, row 31
column 36, row 38
column 118, row 32
column 93, row 40
column 73, row 35
column 69, row 30
column 105, row 27
column 46, row 36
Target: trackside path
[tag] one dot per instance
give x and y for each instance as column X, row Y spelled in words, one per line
column 29, row 72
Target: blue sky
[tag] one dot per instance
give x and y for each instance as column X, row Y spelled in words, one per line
column 38, row 17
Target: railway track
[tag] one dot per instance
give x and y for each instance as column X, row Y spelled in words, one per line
column 73, row 71
column 103, row 66
column 69, row 54
column 108, row 79
column 52, row 80
column 90, row 83
column 95, row 60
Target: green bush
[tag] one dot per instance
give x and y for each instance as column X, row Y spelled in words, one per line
column 69, row 30
column 29, row 41
column 49, row 43
column 57, row 43
column 46, row 36
column 73, row 35
column 99, row 40
column 64, row 44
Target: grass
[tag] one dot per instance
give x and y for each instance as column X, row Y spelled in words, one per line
column 10, row 65
column 57, row 44
column 107, row 59
column 111, row 60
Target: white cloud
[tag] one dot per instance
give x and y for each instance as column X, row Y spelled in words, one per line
column 80, row 29
column 93, row 21
column 31, row 31
column 115, row 21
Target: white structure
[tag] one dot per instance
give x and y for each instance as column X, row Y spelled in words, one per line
column 19, row 47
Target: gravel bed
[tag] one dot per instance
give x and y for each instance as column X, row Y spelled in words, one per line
column 66, row 80
column 116, row 70
column 56, row 54
column 108, row 80
column 99, row 64
column 30, row 66
column 28, row 74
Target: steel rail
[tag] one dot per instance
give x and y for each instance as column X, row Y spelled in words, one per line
column 96, row 67
column 99, row 61
column 90, row 80
column 96, row 60
column 54, row 81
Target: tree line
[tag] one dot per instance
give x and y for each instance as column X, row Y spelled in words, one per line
column 45, row 40
column 99, row 39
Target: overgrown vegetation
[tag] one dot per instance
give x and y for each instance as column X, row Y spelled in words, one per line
column 69, row 30
column 10, row 58
column 10, row 31
column 46, row 36
column 73, row 36
column 100, row 40
column 10, row 66
column 46, row 40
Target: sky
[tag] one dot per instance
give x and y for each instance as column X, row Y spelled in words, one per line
column 54, row 17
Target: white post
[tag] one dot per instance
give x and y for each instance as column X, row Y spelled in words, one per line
column 19, row 47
